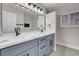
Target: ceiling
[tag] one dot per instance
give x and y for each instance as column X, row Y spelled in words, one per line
column 55, row 6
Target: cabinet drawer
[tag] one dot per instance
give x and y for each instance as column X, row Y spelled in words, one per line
column 42, row 47
column 14, row 50
column 42, row 40
column 51, row 36
column 31, row 52
column 49, row 47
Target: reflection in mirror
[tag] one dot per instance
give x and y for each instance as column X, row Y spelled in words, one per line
column 30, row 21
column 15, row 16
column 11, row 17
column 8, row 18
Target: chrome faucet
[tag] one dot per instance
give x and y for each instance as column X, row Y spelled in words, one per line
column 17, row 30
column 42, row 28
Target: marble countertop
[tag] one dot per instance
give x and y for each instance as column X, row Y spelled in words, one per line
column 10, row 39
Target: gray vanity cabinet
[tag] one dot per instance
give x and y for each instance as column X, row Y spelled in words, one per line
column 42, row 46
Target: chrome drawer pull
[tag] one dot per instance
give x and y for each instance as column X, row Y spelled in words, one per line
column 42, row 39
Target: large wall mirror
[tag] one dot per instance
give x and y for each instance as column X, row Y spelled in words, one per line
column 14, row 15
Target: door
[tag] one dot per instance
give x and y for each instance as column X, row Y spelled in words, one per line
column 51, row 21
column 50, row 44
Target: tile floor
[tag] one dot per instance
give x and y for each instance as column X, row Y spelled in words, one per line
column 64, row 51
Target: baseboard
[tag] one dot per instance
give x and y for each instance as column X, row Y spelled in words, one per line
column 67, row 45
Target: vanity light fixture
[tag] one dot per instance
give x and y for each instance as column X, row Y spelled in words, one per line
column 33, row 8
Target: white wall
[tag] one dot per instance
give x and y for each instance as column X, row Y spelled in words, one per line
column 67, row 36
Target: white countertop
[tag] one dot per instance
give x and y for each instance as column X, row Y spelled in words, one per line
column 10, row 39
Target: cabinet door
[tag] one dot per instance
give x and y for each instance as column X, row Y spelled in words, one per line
column 49, row 47
column 50, row 44
column 31, row 52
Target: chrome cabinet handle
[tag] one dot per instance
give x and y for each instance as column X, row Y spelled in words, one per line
column 50, row 42
column 42, row 39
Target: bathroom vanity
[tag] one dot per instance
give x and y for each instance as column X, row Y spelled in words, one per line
column 36, row 45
